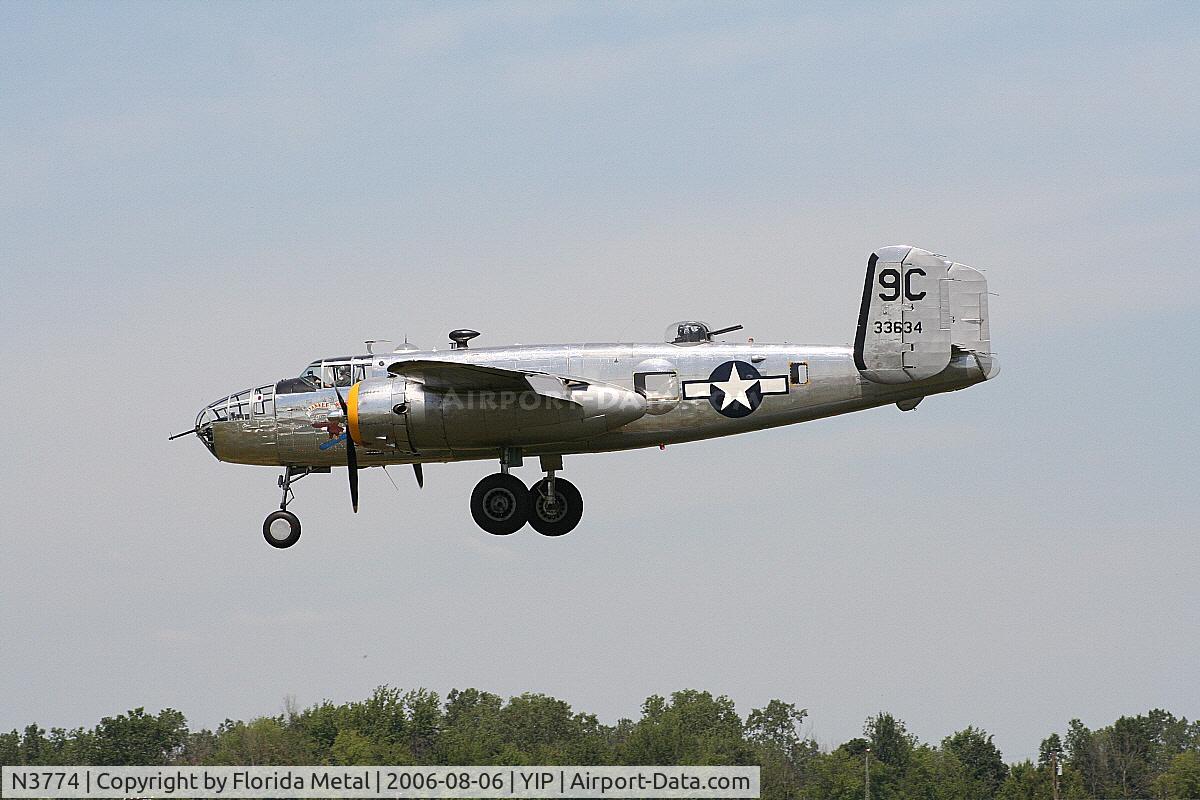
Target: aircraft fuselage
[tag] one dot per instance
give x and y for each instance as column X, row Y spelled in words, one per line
column 784, row 384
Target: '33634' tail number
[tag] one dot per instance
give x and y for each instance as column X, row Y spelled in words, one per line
column 905, row 326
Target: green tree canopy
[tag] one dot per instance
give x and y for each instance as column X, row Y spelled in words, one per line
column 982, row 760
column 891, row 743
column 1152, row 755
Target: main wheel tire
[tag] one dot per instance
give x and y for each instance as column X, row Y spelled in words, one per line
column 559, row 517
column 500, row 504
column 281, row 529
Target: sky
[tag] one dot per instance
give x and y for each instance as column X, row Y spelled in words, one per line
column 200, row 197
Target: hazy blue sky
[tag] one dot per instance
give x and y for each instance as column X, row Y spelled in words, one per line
column 195, row 198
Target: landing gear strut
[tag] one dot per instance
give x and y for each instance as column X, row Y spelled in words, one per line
column 282, row 528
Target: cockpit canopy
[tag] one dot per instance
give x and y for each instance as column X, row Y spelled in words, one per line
column 341, row 371
column 694, row 332
column 337, row 371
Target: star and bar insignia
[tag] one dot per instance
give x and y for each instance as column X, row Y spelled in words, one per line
column 735, row 388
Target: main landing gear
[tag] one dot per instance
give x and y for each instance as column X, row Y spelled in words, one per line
column 502, row 505
column 282, row 528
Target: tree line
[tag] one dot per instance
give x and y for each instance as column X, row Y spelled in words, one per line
column 1152, row 755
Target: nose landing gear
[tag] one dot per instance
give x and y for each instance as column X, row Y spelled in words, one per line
column 282, row 528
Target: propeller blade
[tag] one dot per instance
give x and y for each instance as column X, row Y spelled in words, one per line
column 352, row 465
column 419, row 469
column 351, row 453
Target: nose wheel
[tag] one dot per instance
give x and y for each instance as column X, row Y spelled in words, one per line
column 281, row 529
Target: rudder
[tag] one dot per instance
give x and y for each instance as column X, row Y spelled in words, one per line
column 916, row 308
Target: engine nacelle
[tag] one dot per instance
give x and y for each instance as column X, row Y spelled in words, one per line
column 404, row 415
column 377, row 414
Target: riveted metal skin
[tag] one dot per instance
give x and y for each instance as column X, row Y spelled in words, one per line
column 413, row 406
column 917, row 309
column 613, row 416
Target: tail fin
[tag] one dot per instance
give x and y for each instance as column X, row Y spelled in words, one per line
column 916, row 308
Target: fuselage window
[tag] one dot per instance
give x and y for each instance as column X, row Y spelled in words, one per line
column 799, row 370
column 656, row 385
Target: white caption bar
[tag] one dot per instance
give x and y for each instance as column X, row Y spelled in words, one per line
column 530, row 782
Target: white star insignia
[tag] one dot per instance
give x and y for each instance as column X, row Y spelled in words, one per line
column 735, row 388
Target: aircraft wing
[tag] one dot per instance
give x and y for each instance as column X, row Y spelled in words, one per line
column 446, row 376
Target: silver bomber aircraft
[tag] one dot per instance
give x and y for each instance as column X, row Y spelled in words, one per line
column 922, row 330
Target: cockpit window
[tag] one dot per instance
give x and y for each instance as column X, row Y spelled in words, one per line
column 332, row 372
column 304, row 383
column 312, row 373
column 337, row 375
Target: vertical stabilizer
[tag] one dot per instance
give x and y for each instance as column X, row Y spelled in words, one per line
column 916, row 308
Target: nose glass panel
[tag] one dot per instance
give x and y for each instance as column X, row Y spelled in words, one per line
column 243, row 405
column 257, row 405
column 237, row 406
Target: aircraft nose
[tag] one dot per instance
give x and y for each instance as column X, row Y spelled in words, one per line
column 204, row 428
column 240, row 427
